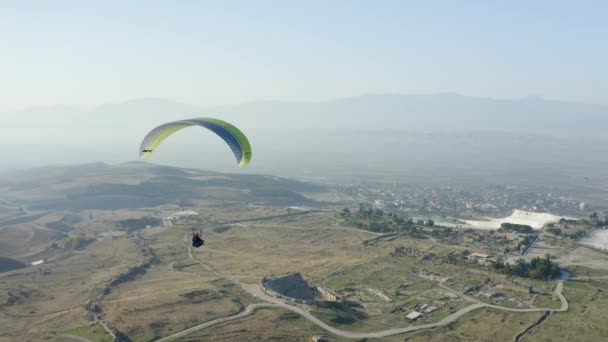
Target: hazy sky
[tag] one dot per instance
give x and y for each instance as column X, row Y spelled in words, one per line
column 222, row 52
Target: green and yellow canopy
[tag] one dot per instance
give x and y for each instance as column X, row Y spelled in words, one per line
column 236, row 140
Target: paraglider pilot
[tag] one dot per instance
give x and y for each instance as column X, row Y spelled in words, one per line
column 197, row 240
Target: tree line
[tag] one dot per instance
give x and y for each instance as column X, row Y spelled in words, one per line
column 520, row 228
column 537, row 268
column 376, row 220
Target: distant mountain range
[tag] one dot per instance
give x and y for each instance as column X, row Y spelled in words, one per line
column 395, row 112
column 362, row 134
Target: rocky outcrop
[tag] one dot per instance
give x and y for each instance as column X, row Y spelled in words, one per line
column 406, row 251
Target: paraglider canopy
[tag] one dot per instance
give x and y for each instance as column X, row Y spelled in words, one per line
column 236, row 140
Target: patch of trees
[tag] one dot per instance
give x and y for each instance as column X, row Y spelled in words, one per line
column 455, row 258
column 77, row 241
column 555, row 231
column 520, row 228
column 575, row 236
column 537, row 268
column 543, row 268
column 376, row 220
column 596, row 221
column 437, row 232
column 526, row 242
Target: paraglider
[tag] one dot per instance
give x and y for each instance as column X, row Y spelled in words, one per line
column 236, row 140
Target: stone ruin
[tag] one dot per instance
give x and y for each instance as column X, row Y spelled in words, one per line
column 294, row 286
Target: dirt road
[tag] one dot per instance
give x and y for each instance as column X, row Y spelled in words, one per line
column 303, row 310
column 70, row 337
column 249, row 309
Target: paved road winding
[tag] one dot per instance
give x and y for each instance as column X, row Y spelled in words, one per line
column 249, row 309
column 303, row 310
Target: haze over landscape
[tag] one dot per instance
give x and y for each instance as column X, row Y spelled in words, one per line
column 405, row 134
column 420, row 171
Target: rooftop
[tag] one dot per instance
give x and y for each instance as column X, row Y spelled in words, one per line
column 413, row 315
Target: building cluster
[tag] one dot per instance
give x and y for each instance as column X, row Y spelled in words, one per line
column 420, row 310
column 461, row 201
column 180, row 215
column 183, row 215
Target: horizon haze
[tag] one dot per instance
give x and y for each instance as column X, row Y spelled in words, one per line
column 399, row 136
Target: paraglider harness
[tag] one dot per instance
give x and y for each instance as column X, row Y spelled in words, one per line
column 197, row 241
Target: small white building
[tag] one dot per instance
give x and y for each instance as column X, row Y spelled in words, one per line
column 482, row 256
column 182, row 214
column 413, row 315
column 186, row 213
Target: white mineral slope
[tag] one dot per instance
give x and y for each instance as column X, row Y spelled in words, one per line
column 598, row 239
column 534, row 220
